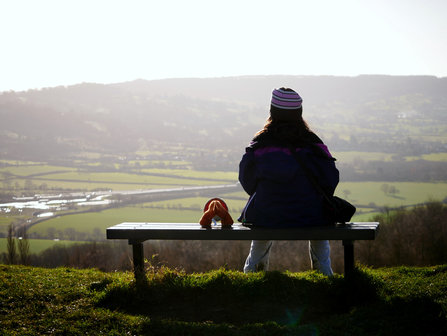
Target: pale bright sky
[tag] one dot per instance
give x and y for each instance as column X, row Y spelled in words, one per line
column 46, row 43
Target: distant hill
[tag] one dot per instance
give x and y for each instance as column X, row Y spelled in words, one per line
column 316, row 90
column 215, row 113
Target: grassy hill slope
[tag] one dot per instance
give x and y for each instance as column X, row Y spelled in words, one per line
column 391, row 301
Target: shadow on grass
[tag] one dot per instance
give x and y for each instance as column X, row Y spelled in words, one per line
column 220, row 296
column 399, row 316
column 368, row 311
column 306, row 300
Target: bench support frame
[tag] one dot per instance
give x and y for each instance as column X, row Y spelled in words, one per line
column 348, row 246
column 138, row 257
column 137, row 233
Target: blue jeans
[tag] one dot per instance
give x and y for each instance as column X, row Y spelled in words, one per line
column 258, row 259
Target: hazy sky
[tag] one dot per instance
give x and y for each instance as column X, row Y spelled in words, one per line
column 49, row 43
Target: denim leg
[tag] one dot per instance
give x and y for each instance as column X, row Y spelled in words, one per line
column 320, row 260
column 258, row 259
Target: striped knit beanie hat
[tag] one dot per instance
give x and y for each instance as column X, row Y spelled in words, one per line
column 286, row 105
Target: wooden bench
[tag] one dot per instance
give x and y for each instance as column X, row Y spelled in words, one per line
column 137, row 233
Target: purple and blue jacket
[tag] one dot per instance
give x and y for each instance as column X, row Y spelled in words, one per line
column 280, row 193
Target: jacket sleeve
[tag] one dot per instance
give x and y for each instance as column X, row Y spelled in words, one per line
column 247, row 173
column 325, row 172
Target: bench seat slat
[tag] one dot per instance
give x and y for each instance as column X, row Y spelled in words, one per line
column 193, row 231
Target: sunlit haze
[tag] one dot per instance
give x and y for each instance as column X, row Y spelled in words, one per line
column 51, row 43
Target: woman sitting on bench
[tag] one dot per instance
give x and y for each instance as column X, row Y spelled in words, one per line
column 281, row 194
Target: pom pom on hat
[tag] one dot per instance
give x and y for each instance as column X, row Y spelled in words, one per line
column 286, row 105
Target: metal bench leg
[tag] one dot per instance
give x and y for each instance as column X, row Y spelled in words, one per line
column 138, row 260
column 349, row 257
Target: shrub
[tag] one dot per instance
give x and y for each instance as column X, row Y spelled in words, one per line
column 411, row 237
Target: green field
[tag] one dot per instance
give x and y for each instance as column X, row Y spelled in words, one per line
column 5, row 221
column 167, row 163
column 34, row 169
column 200, row 202
column 88, row 221
column 429, row 157
column 146, row 183
column 19, row 163
column 410, row 193
column 126, row 178
column 75, row 180
column 343, row 157
column 139, row 213
column 361, row 193
column 370, row 192
column 195, row 174
column 89, row 186
column 37, row 245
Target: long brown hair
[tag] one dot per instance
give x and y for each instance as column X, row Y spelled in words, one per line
column 287, row 130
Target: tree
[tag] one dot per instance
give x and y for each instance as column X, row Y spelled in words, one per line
column 7, row 180
column 71, row 233
column 7, row 184
column 7, row 175
column 51, row 232
column 97, row 233
column 385, row 188
column 24, row 247
column 28, row 185
column 81, row 236
column 60, row 234
column 195, row 207
column 393, row 190
column 11, row 246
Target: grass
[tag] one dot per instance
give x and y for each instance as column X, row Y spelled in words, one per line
column 389, row 301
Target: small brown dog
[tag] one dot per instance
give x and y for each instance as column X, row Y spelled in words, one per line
column 215, row 209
